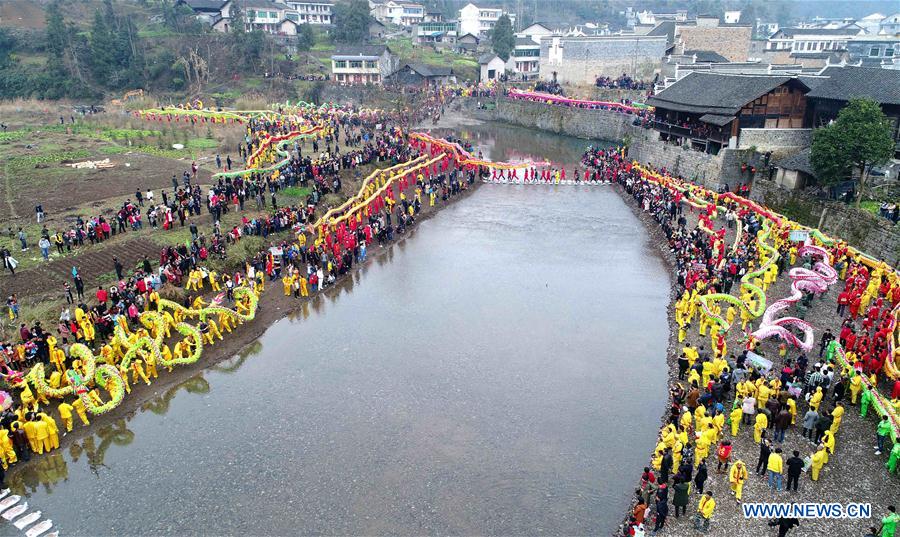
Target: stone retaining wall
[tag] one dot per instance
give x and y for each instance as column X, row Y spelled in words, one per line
column 579, row 122
column 776, row 140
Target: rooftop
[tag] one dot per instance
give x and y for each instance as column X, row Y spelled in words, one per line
column 790, row 32
column 845, row 83
column 797, row 161
column 360, row 50
column 427, row 70
column 717, row 94
column 706, row 56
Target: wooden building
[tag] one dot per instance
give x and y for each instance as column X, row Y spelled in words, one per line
column 708, row 110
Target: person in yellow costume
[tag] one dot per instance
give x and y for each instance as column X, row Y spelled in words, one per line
column 214, row 329
column 686, row 421
column 762, row 395
column 828, row 441
column 78, row 405
column 214, row 281
column 198, row 303
column 94, row 395
column 123, row 372
column 735, row 417
column 225, row 321
column 855, row 388
column 137, row 370
column 41, row 436
column 7, row 452
column 701, row 449
column 150, row 365
column 818, row 461
column 287, row 281
column 745, row 317
column 705, row 509
column 816, row 399
column 759, row 426
column 682, row 332
column 792, row 408
column 65, row 414
column 699, row 414
column 736, row 477
column 837, row 415
column 52, row 430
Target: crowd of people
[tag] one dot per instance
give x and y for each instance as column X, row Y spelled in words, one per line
column 719, row 391
column 305, row 260
column 624, row 81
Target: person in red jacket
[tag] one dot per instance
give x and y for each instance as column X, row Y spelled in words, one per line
column 102, row 295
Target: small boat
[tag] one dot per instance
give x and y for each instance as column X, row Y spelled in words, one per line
column 40, row 528
column 3, row 493
column 30, row 518
column 54, row 534
column 6, row 503
column 15, row 511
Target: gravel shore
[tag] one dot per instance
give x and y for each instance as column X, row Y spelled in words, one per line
column 853, row 474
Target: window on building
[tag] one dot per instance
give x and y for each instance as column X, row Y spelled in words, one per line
column 340, row 64
column 873, row 51
column 371, row 64
column 251, row 14
column 292, row 17
column 888, row 52
column 356, row 65
column 273, row 14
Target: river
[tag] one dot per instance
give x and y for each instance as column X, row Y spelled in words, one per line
column 501, row 371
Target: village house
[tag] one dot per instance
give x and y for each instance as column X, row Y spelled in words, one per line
column 480, row 21
column 707, row 111
column 399, row 12
column 874, row 51
column 802, row 41
column 580, row 60
column 422, row 75
column 315, row 13
column 840, row 84
column 467, row 44
column 435, row 32
column 261, row 15
column 492, row 67
column 359, row 65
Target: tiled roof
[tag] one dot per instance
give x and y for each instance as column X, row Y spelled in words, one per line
column 486, row 58
column 797, row 161
column 790, row 32
column 717, row 94
column 707, row 56
column 845, row 83
column 428, row 70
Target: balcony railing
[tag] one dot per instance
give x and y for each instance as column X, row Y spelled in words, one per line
column 695, row 132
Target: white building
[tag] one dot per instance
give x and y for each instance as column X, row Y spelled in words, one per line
column 890, row 25
column 491, row 66
column 399, row 12
column 526, row 55
column 480, row 21
column 368, row 64
column 801, row 41
column 732, row 17
column 263, row 15
column 317, row 13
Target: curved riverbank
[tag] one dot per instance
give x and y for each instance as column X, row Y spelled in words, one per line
column 273, row 305
column 853, row 473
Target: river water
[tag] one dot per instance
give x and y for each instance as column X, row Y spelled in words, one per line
column 501, row 371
